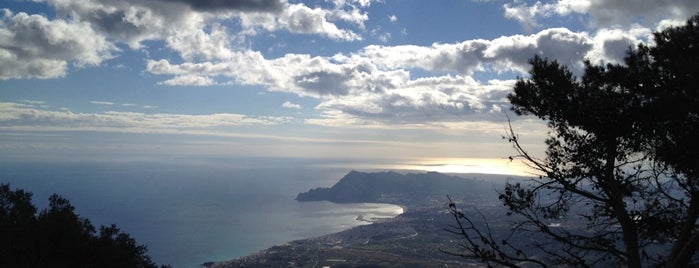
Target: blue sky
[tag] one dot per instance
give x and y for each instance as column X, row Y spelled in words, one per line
column 411, row 84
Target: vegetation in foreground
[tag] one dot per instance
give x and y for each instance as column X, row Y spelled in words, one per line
column 621, row 164
column 57, row 237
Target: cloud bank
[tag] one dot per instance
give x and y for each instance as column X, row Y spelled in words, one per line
column 89, row 32
column 378, row 83
column 22, row 117
column 440, row 83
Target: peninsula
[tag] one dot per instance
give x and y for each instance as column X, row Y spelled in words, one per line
column 396, row 188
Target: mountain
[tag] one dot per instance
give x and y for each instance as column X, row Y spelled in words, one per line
column 393, row 187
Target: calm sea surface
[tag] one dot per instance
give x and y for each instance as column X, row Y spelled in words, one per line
column 191, row 213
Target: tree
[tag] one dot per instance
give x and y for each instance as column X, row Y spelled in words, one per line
column 64, row 239
column 618, row 183
column 673, row 117
column 58, row 237
column 16, row 224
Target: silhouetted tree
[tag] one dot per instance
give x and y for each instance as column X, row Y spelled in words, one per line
column 618, row 184
column 57, row 237
column 17, row 224
column 669, row 78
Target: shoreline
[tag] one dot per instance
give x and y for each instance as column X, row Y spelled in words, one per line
column 262, row 252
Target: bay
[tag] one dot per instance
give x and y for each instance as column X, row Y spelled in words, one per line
column 191, row 212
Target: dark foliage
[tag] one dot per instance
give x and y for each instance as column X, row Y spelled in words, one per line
column 618, row 184
column 57, row 237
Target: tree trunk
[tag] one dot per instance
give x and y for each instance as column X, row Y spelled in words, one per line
column 616, row 200
column 628, row 228
column 687, row 241
column 685, row 253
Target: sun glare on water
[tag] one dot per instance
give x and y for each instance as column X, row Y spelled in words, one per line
column 471, row 165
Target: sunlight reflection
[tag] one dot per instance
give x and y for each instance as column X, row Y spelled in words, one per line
column 501, row 166
column 471, row 165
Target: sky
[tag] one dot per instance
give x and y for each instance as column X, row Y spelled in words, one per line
column 373, row 83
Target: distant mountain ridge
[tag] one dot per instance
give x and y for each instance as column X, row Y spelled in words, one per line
column 394, row 187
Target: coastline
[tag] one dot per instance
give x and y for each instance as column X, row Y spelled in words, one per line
column 414, row 236
column 412, row 239
column 364, row 221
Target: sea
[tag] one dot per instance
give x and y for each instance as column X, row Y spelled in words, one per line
column 191, row 212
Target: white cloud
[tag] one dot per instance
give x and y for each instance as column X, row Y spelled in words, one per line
column 507, row 53
column 526, row 15
column 32, row 46
column 384, row 37
column 290, row 105
column 87, row 32
column 565, row 7
column 350, row 13
column 196, row 43
column 15, row 116
column 298, row 18
column 134, row 21
column 102, row 103
column 376, row 82
column 407, row 83
column 128, row 21
column 393, row 18
column 603, row 12
column 189, row 80
column 432, row 99
column 353, row 3
column 611, row 45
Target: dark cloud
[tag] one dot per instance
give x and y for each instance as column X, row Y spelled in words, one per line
column 323, row 83
column 465, row 58
column 563, row 45
column 615, row 49
column 32, row 46
column 606, row 12
column 133, row 21
column 115, row 24
column 241, row 5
